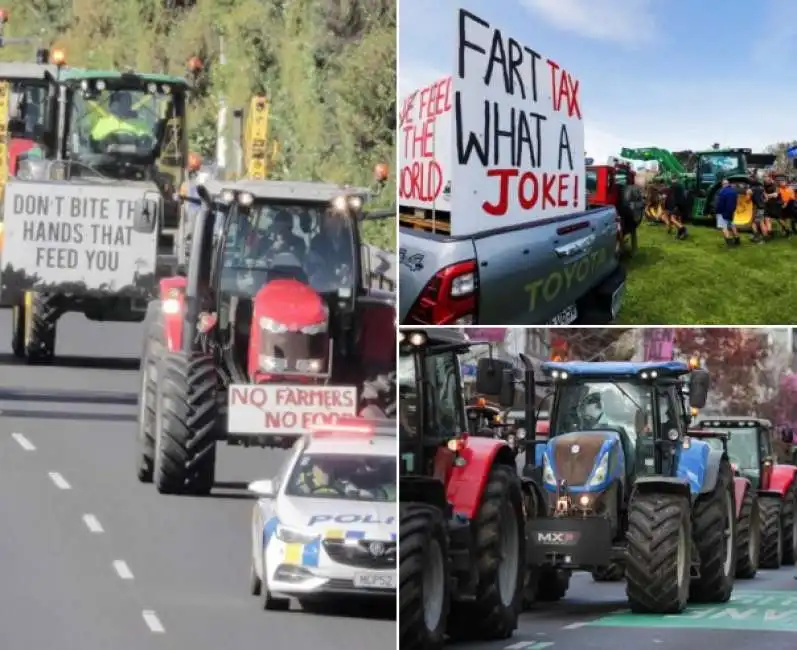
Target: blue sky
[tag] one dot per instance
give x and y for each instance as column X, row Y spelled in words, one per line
column 678, row 74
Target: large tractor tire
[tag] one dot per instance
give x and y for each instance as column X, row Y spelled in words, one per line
column 148, row 395
column 788, row 523
column 424, row 577
column 615, row 572
column 18, row 331
column 748, row 537
column 771, row 533
column 714, row 534
column 378, row 396
column 186, row 424
column 40, row 339
column 500, row 540
column 658, row 567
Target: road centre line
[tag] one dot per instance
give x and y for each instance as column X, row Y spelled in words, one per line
column 59, row 481
column 23, row 442
column 575, row 626
column 93, row 524
column 153, row 622
column 121, row 568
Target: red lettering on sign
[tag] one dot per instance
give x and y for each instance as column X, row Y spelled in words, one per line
column 421, row 177
column 534, row 190
column 322, row 398
column 280, row 421
column 565, row 89
column 248, row 396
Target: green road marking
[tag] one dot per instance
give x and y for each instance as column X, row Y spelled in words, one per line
column 775, row 611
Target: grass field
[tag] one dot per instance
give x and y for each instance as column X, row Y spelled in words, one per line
column 700, row 281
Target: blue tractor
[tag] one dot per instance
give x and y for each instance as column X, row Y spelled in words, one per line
column 625, row 491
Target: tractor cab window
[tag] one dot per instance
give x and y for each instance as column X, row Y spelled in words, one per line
column 27, row 109
column 592, row 181
column 408, row 397
column 119, row 131
column 621, row 177
column 714, row 166
column 444, row 397
column 304, row 241
column 743, row 447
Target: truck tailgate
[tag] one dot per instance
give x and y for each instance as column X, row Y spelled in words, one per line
column 536, row 273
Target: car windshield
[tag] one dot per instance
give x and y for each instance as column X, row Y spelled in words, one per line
column 743, row 450
column 27, row 109
column 117, row 128
column 598, row 406
column 346, row 477
column 305, row 241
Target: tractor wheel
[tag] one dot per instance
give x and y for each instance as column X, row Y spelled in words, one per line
column 552, row 584
column 771, row 533
column 500, row 538
column 40, row 344
column 18, row 331
column 748, row 537
column 615, row 572
column 147, row 397
column 658, row 567
column 424, row 577
column 714, row 533
column 186, row 421
column 378, row 395
column 788, row 523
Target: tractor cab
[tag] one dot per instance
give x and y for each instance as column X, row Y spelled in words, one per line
column 749, row 446
column 484, row 417
column 605, row 183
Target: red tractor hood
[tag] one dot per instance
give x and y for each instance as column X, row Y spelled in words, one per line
column 17, row 147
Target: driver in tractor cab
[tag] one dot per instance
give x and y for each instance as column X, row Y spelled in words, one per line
column 592, row 414
column 120, row 117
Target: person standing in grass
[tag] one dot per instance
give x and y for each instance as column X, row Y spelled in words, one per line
column 676, row 208
column 786, row 196
column 727, row 199
column 774, row 211
column 762, row 231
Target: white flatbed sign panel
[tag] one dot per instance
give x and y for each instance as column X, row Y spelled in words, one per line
column 75, row 238
column 500, row 142
column 285, row 410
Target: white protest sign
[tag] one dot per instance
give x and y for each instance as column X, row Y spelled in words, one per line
column 425, row 146
column 518, row 132
column 287, row 410
column 79, row 234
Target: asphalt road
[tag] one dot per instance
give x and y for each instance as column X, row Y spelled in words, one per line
column 93, row 560
column 762, row 613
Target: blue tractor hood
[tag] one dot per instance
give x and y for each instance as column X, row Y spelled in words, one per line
column 574, row 457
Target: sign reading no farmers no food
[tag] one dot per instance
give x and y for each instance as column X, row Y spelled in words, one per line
column 70, row 233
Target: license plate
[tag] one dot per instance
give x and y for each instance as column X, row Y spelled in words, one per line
column 565, row 317
column 375, row 580
column 617, row 299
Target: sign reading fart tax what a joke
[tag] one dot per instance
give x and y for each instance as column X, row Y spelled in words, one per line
column 774, row 611
column 69, row 233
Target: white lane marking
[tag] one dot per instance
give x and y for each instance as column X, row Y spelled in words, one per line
column 120, row 566
column 529, row 645
column 153, row 622
column 23, row 442
column 92, row 523
column 575, row 626
column 60, row 481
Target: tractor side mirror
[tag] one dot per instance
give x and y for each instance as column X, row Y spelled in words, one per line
column 490, row 375
column 699, row 382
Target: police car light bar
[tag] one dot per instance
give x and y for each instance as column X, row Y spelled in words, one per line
column 343, row 430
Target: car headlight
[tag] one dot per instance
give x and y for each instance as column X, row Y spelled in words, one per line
column 547, row 473
column 601, row 471
column 293, row 536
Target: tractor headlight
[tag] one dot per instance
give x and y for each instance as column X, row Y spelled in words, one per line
column 270, row 325
column 547, row 473
column 245, row 199
column 272, row 364
column 601, row 472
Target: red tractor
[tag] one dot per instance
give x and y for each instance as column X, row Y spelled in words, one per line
column 748, row 513
column 462, row 504
column 615, row 185
column 270, row 334
column 751, row 454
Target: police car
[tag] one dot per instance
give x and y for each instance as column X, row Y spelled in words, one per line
column 327, row 523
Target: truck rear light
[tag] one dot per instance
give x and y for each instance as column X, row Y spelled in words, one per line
column 449, row 298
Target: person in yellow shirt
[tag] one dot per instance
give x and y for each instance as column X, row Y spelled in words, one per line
column 120, row 118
